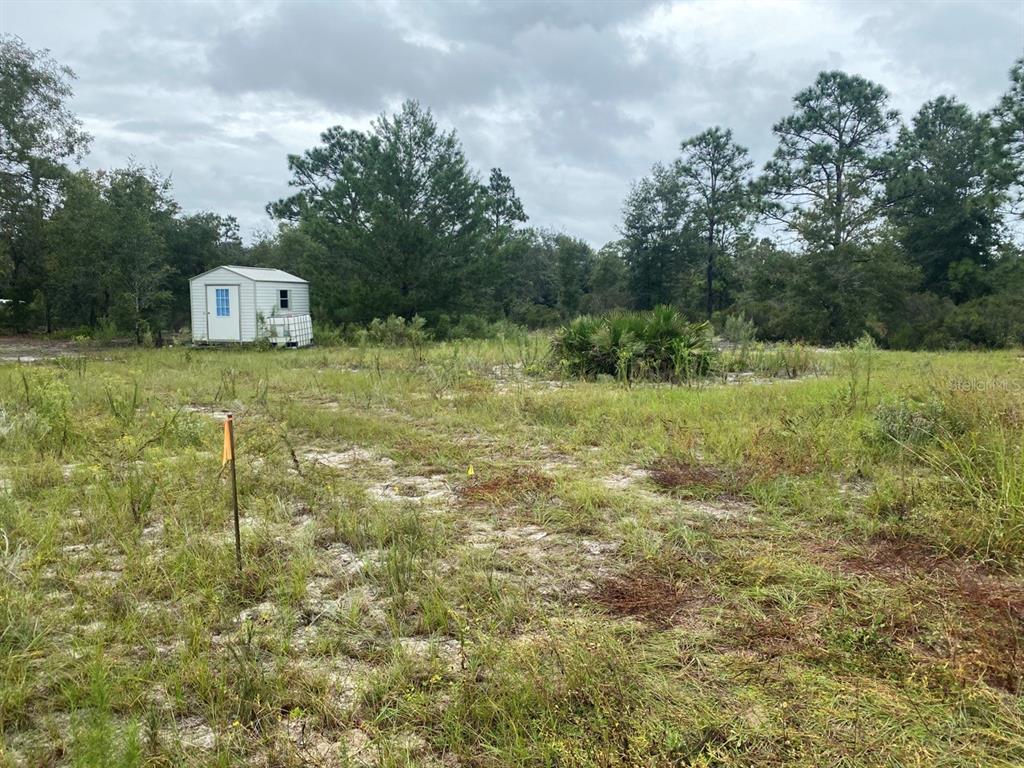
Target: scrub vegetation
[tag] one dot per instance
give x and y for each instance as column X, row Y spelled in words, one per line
column 658, row 345
column 806, row 557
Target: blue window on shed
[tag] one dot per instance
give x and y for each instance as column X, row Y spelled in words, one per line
column 223, row 303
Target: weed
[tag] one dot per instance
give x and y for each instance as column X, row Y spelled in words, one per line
column 858, row 362
column 124, row 408
column 980, row 508
column 904, row 420
column 48, row 423
column 695, row 478
column 813, row 569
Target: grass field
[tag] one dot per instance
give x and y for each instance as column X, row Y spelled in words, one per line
column 820, row 570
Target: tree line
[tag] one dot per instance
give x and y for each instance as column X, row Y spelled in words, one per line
column 858, row 223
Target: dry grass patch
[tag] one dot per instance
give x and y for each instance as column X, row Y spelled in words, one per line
column 788, row 448
column 697, row 479
column 773, row 633
column 507, row 487
column 650, row 597
column 989, row 643
column 674, row 473
column 968, row 617
column 894, row 560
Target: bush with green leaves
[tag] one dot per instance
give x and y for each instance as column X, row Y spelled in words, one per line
column 739, row 330
column 330, row 335
column 499, row 329
column 657, row 345
column 395, row 331
column 46, row 420
column 910, row 421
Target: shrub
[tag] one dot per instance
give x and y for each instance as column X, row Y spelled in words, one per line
column 328, row 335
column 911, row 422
column 471, row 327
column 476, row 327
column 441, row 327
column 105, row 330
column 182, row 337
column 989, row 322
column 658, row 345
column 47, row 420
column 536, row 315
column 739, row 330
column 394, row 331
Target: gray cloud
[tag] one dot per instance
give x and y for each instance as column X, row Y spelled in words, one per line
column 573, row 99
column 498, row 21
column 350, row 60
column 967, row 46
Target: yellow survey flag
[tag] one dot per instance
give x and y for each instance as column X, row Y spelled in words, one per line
column 470, row 472
column 228, row 453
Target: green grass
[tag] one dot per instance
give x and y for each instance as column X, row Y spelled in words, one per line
column 816, row 562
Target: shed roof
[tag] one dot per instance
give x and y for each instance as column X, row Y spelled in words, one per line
column 258, row 274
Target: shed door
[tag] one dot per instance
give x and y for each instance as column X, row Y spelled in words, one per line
column 223, row 322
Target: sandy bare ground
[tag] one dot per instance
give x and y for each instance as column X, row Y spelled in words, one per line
column 28, row 349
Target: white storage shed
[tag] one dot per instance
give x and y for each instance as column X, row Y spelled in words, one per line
column 239, row 304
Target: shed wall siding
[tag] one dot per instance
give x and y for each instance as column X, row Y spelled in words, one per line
column 254, row 299
column 267, row 295
column 197, row 295
column 247, row 306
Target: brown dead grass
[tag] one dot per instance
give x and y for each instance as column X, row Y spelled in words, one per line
column 777, row 635
column 682, row 475
column 505, row 487
column 982, row 610
column 990, row 641
column 783, row 450
column 675, row 473
column 650, row 597
column 895, row 560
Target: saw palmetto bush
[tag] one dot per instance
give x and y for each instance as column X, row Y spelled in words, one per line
column 656, row 345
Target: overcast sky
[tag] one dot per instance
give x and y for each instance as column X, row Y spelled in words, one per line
column 574, row 100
